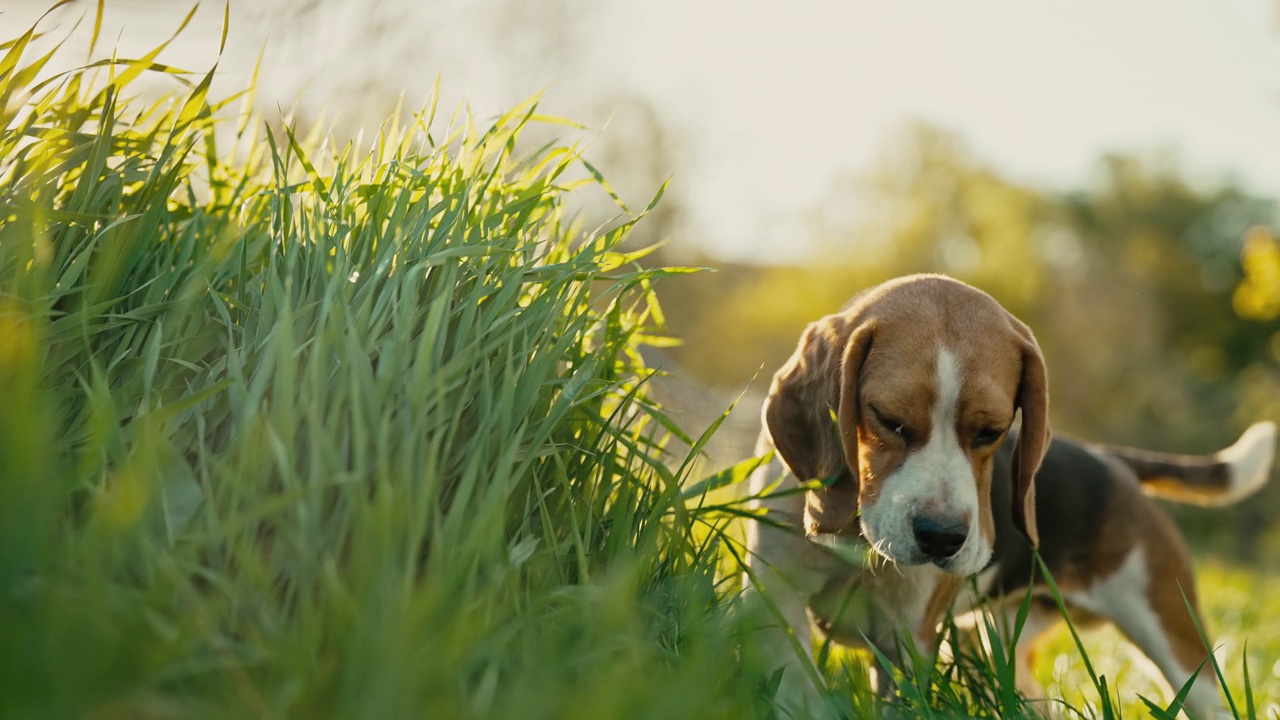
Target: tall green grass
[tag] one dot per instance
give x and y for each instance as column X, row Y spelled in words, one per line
column 297, row 429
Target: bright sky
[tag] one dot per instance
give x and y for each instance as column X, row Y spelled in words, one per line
column 785, row 94
column 772, row 100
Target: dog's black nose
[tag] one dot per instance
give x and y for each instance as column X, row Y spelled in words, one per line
column 939, row 540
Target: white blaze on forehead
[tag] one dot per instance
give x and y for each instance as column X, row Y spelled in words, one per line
column 958, row 475
column 937, row 474
column 949, row 381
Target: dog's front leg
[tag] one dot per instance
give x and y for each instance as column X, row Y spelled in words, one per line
column 784, row 570
column 778, row 586
column 849, row 613
column 894, row 610
column 895, row 654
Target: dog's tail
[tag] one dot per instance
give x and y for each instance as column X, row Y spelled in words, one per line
column 1220, row 478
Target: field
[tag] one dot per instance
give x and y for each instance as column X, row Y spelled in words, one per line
column 302, row 430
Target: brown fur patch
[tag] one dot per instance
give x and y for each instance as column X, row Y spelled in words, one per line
column 943, row 595
column 1171, row 577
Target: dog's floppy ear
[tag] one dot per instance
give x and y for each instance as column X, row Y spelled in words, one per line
column 819, row 380
column 1033, row 440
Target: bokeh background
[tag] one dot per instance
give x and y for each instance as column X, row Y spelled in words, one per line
column 1108, row 171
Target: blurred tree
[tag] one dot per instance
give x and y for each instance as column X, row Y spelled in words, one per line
column 637, row 151
column 1175, row 252
column 1257, row 297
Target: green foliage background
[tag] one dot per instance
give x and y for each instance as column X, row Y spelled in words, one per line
column 294, row 428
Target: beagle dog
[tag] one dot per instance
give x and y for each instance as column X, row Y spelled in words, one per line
column 903, row 406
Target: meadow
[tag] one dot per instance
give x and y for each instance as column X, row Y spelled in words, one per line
column 295, row 428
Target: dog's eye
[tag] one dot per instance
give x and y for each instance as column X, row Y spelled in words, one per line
column 987, row 436
column 893, row 425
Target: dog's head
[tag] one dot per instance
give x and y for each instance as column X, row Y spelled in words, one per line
column 898, row 403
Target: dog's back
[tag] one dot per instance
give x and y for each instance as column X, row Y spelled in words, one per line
column 1092, row 501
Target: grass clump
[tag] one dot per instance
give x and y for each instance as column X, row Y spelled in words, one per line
column 301, row 431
